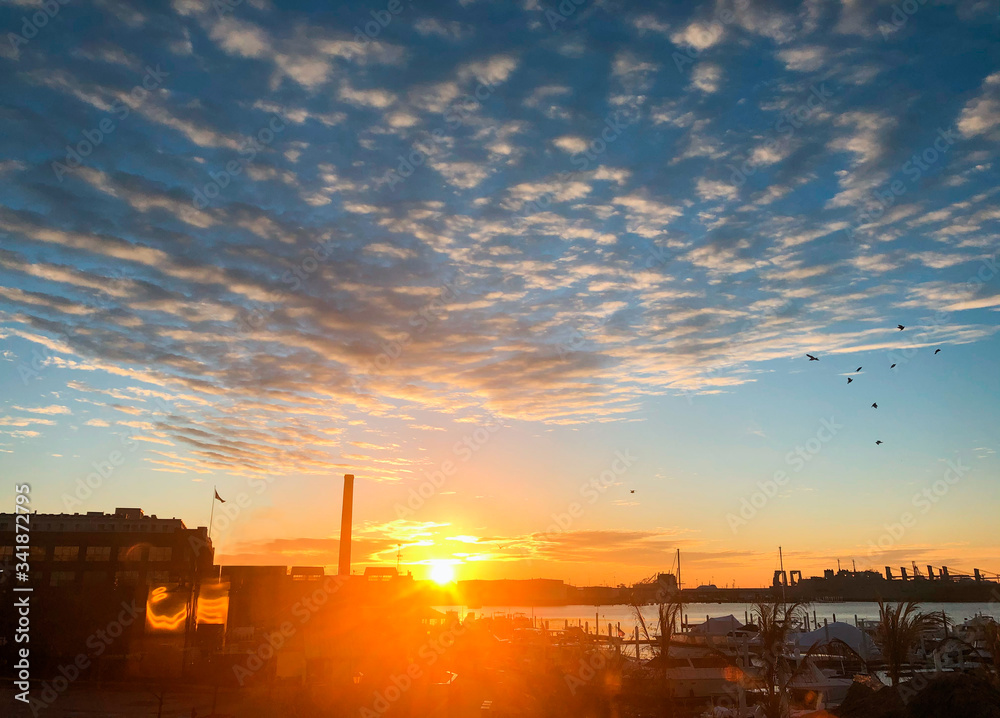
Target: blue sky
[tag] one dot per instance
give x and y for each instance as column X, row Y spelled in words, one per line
column 252, row 245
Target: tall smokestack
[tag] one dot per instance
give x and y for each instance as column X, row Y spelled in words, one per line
column 344, row 568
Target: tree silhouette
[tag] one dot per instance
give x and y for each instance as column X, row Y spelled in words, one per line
column 899, row 629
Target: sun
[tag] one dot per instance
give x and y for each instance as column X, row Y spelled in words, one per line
column 442, row 573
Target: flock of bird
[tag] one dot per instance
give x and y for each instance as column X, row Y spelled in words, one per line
column 878, row 442
column 900, row 327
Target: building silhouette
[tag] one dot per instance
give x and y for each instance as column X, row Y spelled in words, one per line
column 126, row 548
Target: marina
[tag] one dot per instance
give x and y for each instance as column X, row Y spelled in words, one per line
column 722, row 667
column 624, row 615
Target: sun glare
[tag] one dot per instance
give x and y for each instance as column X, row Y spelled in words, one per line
column 442, row 573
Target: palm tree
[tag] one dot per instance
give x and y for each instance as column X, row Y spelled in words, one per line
column 668, row 610
column 899, row 629
column 775, row 621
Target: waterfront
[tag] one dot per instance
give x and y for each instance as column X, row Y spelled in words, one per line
column 500, row 360
column 624, row 615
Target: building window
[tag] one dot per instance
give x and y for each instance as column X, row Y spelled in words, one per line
column 158, row 576
column 94, row 578
column 130, row 553
column 160, row 553
column 62, row 578
column 37, row 553
column 126, row 578
column 6, row 553
column 98, row 553
column 66, row 553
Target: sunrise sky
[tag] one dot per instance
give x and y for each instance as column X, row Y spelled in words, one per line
column 508, row 263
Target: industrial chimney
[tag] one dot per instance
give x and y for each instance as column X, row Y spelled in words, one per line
column 344, row 567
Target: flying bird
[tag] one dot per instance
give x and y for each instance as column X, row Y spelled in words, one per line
column 900, row 327
column 857, row 370
column 877, row 443
column 812, row 358
column 936, row 351
column 893, row 366
column 849, row 380
column 875, row 405
column 632, row 491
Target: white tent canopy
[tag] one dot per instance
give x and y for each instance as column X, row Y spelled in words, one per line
column 718, row 626
column 854, row 637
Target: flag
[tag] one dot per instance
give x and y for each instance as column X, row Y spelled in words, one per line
column 219, row 498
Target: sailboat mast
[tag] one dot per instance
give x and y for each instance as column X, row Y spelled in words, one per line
column 680, row 596
column 781, row 562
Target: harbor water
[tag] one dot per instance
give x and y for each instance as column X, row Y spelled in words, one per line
column 694, row 613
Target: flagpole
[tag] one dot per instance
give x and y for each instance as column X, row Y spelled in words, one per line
column 211, row 517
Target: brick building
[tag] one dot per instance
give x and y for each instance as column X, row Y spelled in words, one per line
column 126, row 548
